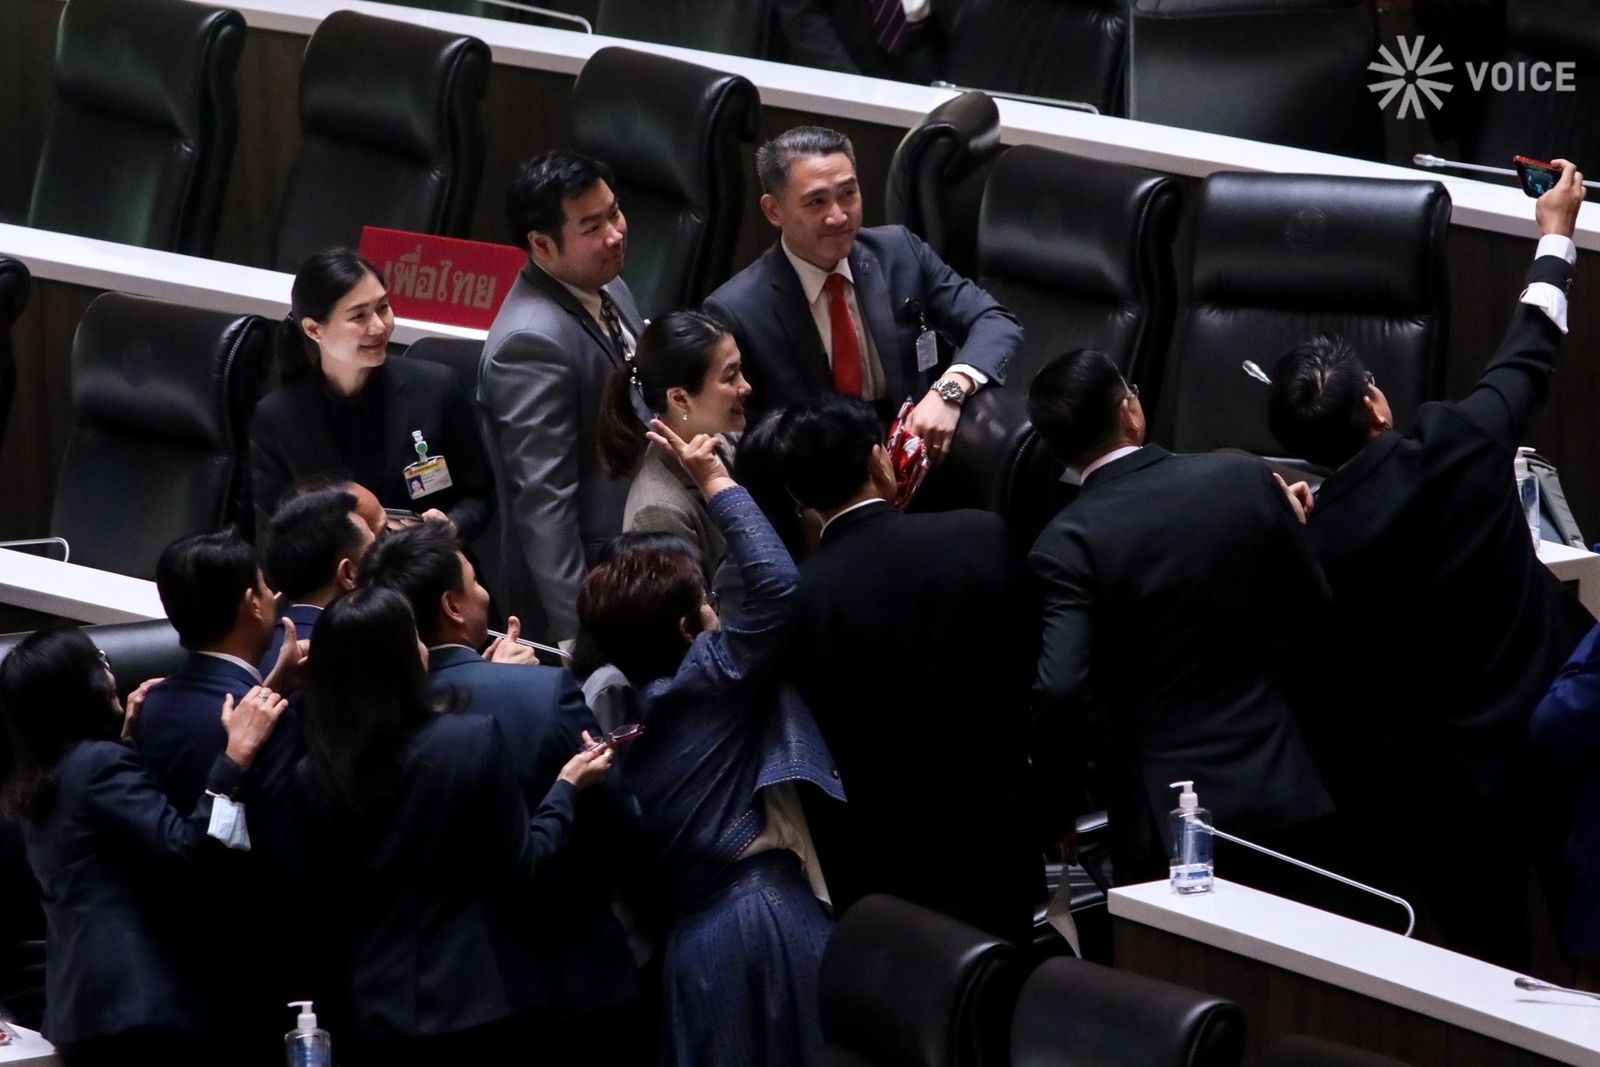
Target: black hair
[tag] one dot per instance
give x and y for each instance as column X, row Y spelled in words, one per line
column 310, row 534
column 324, row 279
column 774, row 157
column 824, row 447
column 755, row 466
column 1315, row 407
column 674, row 352
column 366, row 691
column 54, row 692
column 1074, row 403
column 536, row 201
column 422, row 564
column 201, row 579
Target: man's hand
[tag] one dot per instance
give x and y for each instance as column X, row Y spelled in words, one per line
column 287, row 672
column 1557, row 210
column 1299, row 495
column 136, row 701
column 507, row 650
column 934, row 420
column 700, row 457
column 435, row 515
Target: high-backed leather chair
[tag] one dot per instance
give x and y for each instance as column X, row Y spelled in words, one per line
column 390, row 134
column 671, row 131
column 1081, row 251
column 905, row 986
column 1300, row 1051
column 142, row 136
column 136, row 651
column 1542, row 122
column 937, row 174
column 1279, row 258
column 1062, row 49
column 1289, row 72
column 14, row 279
column 733, row 27
column 161, row 396
column 1073, row 1013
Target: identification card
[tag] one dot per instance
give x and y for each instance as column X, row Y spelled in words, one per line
column 927, row 350
column 427, row 476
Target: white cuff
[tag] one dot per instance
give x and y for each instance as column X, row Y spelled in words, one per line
column 1548, row 299
column 227, row 823
column 1557, row 244
column 916, row 10
column 979, row 379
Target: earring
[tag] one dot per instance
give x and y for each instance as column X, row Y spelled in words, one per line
column 686, row 417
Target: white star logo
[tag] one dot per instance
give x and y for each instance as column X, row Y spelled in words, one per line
column 1410, row 79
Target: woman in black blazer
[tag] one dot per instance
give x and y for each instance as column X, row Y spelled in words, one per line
column 348, row 411
column 102, row 841
column 421, row 849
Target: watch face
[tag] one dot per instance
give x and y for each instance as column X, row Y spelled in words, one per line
column 951, row 392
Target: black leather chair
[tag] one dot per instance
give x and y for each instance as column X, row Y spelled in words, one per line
column 1073, row 1013
column 1540, row 122
column 136, row 651
column 390, row 135
column 142, row 136
column 1061, row 49
column 1081, row 252
column 1301, row 1051
column 671, row 131
column 1290, row 72
column 162, row 397
column 733, row 27
column 14, row 282
column 1279, row 258
column 937, row 175
column 903, row 986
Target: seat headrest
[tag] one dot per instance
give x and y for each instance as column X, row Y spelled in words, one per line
column 1296, row 240
column 14, row 279
column 162, row 369
column 140, row 58
column 1060, row 221
column 1568, row 30
column 388, row 84
column 648, row 116
column 897, row 978
column 1074, row 1011
column 1198, row 8
column 964, row 131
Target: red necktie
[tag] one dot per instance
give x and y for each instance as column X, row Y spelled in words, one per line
column 846, row 349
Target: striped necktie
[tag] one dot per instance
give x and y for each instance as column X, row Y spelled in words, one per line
column 889, row 25
column 613, row 324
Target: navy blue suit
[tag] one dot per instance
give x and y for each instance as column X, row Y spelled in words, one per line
column 784, row 358
column 305, row 618
column 1566, row 729
column 103, row 854
column 582, row 953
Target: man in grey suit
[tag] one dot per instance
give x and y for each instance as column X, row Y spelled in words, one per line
column 566, row 324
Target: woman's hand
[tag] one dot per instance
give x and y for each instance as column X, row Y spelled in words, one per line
column 589, row 765
column 700, row 457
column 250, row 723
column 135, row 702
column 435, row 515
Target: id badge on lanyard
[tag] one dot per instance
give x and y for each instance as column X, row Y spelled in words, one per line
column 428, row 474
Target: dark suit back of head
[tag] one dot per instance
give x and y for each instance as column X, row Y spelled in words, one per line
column 1073, row 403
column 310, row 534
column 422, row 564
column 823, row 447
column 200, row 580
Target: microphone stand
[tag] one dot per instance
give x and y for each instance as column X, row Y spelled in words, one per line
column 1423, row 159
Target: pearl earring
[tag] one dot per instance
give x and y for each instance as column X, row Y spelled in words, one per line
column 686, row 417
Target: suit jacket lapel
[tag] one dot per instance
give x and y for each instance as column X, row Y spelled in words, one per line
column 626, row 308
column 398, row 449
column 794, row 314
column 569, row 303
column 872, row 296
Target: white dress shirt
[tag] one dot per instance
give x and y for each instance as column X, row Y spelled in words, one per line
column 1544, row 296
column 1073, row 476
column 250, row 667
column 591, row 304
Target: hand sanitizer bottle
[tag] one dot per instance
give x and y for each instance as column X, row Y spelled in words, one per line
column 1191, row 842
column 305, row 1045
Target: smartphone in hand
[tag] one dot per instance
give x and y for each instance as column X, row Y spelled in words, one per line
column 1537, row 176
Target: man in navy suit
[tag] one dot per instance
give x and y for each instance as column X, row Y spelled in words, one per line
column 314, row 549
column 218, row 602
column 834, row 307
column 586, row 965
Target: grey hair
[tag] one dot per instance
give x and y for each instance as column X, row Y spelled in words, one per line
column 774, row 157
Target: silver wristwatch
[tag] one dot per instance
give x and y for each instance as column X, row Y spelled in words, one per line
column 950, row 389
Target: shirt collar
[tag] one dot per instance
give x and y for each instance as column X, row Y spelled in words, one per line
column 589, row 301
column 853, row 507
column 236, row 661
column 1110, row 457
column 812, row 277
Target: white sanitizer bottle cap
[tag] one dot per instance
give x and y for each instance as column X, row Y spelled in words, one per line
column 1188, row 800
column 307, row 1019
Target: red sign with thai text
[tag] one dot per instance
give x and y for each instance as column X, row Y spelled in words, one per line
column 442, row 279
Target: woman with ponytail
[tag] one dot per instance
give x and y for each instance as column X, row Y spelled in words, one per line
column 687, row 372
column 347, row 411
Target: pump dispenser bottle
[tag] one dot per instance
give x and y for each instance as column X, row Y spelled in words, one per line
column 1191, row 842
column 305, row 1045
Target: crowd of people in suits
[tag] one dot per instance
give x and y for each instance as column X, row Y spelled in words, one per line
column 351, row 792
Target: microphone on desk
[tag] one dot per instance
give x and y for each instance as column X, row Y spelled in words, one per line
column 1533, row 985
column 1432, row 162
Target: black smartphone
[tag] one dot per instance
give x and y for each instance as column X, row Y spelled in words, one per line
column 1537, row 176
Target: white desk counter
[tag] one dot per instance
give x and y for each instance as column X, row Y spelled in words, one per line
column 29, row 1046
column 74, row 592
column 1409, row 974
column 1575, row 565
